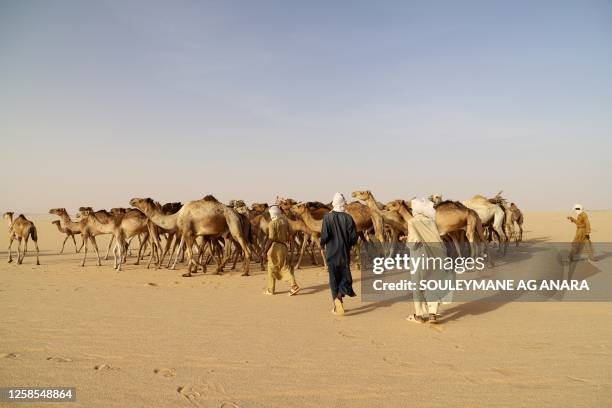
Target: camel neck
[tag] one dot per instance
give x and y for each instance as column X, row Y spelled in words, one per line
column 311, row 223
column 167, row 222
column 405, row 213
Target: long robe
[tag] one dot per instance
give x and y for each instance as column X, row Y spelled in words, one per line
column 278, row 267
column 424, row 241
column 582, row 239
column 338, row 235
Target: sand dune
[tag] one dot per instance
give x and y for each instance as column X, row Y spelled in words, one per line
column 145, row 338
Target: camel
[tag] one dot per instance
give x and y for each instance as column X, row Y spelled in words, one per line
column 383, row 217
column 206, row 217
column 122, row 224
column 68, row 227
column 21, row 229
column 299, row 228
column 69, row 234
column 452, row 220
column 517, row 218
column 490, row 215
column 312, row 224
column 375, row 212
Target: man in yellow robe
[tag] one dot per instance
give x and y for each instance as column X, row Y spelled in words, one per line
column 278, row 267
column 582, row 239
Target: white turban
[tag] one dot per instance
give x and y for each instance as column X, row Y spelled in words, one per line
column 578, row 208
column 275, row 212
column 424, row 207
column 339, row 202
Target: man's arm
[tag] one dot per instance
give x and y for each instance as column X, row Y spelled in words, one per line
column 352, row 232
column 325, row 236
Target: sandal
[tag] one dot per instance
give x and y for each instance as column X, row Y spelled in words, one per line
column 433, row 318
column 416, row 319
column 267, row 292
column 294, row 291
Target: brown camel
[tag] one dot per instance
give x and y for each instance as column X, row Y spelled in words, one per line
column 122, row 224
column 21, row 229
column 517, row 218
column 375, row 212
column 299, row 228
column 453, row 219
column 207, row 218
column 69, row 226
column 69, row 234
column 313, row 226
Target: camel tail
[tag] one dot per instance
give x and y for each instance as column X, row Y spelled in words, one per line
column 34, row 233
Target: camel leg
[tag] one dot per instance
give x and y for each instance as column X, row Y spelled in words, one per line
column 25, row 246
column 247, row 254
column 119, row 250
column 299, row 261
column 82, row 244
column 189, row 241
column 169, row 240
column 95, row 247
column 85, row 251
column 9, row 249
column 225, row 258
column 318, row 243
column 76, row 251
column 37, row 251
column 64, row 244
column 109, row 247
column 19, row 251
column 179, row 249
column 143, row 247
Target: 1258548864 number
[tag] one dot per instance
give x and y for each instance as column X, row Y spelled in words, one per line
column 41, row 394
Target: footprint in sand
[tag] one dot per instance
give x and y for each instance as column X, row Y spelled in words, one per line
column 59, row 359
column 188, row 393
column 10, row 355
column 165, row 372
column 151, row 284
column 106, row 367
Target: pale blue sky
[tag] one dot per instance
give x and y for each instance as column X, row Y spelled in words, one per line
column 104, row 101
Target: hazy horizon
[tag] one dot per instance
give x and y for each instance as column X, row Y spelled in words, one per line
column 105, row 101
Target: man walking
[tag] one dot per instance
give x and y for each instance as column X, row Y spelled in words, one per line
column 338, row 235
column 276, row 249
column 582, row 239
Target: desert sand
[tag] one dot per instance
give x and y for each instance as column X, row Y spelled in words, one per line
column 150, row 338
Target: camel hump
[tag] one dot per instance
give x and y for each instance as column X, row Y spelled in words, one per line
column 315, row 205
column 210, row 197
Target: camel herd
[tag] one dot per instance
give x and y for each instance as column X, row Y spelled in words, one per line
column 207, row 231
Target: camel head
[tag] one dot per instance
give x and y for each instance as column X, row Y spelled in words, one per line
column 394, row 205
column 362, row 195
column 435, row 198
column 144, row 204
column 118, row 211
column 58, row 211
column 8, row 215
column 240, row 206
column 285, row 204
column 259, row 207
column 299, row 208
